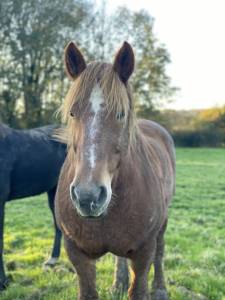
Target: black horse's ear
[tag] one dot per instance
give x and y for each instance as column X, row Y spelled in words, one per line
column 74, row 61
column 124, row 62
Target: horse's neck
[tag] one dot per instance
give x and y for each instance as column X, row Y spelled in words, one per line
column 136, row 162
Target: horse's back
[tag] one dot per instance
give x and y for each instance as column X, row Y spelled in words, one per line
column 36, row 160
column 161, row 146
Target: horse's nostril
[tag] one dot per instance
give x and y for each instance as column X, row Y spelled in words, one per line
column 73, row 192
column 103, row 194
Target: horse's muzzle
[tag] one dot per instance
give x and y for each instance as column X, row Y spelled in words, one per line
column 89, row 200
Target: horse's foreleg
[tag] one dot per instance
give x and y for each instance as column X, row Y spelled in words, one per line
column 158, row 287
column 58, row 235
column 141, row 262
column 3, row 280
column 85, row 269
column 121, row 275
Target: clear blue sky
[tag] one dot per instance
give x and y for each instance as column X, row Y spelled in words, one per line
column 194, row 33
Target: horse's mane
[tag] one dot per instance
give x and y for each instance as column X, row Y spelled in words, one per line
column 118, row 97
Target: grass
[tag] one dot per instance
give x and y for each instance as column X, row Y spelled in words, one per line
column 195, row 255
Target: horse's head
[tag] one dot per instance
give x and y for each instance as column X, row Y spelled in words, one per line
column 99, row 113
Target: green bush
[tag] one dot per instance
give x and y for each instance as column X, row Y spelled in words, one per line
column 199, row 138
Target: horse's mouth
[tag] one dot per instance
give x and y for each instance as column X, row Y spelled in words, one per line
column 91, row 215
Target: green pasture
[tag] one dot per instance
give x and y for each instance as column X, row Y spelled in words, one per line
column 195, row 248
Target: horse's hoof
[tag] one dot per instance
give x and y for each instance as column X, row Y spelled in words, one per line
column 5, row 283
column 160, row 294
column 51, row 262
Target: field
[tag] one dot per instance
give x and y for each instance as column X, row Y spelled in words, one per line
column 195, row 248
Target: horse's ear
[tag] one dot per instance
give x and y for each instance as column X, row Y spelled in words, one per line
column 124, row 62
column 74, row 61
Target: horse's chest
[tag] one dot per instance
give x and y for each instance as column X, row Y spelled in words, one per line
column 98, row 237
column 88, row 237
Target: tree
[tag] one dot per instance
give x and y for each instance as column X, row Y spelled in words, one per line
column 212, row 118
column 151, row 84
column 33, row 35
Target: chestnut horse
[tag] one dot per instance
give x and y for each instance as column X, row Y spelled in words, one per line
column 118, row 178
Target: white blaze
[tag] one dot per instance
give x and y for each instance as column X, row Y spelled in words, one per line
column 93, row 131
column 96, row 99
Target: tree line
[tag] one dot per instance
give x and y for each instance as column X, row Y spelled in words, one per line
column 33, row 35
column 195, row 128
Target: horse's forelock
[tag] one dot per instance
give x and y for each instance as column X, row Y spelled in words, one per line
column 118, row 96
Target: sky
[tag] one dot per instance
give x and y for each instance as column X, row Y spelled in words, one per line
column 194, row 34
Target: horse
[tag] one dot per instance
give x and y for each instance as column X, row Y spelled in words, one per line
column 118, row 178
column 30, row 163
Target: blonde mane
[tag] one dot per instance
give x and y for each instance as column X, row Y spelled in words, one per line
column 118, row 97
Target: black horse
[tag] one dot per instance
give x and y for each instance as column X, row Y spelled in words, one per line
column 30, row 162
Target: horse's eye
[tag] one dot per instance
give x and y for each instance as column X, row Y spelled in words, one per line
column 120, row 115
column 74, row 114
